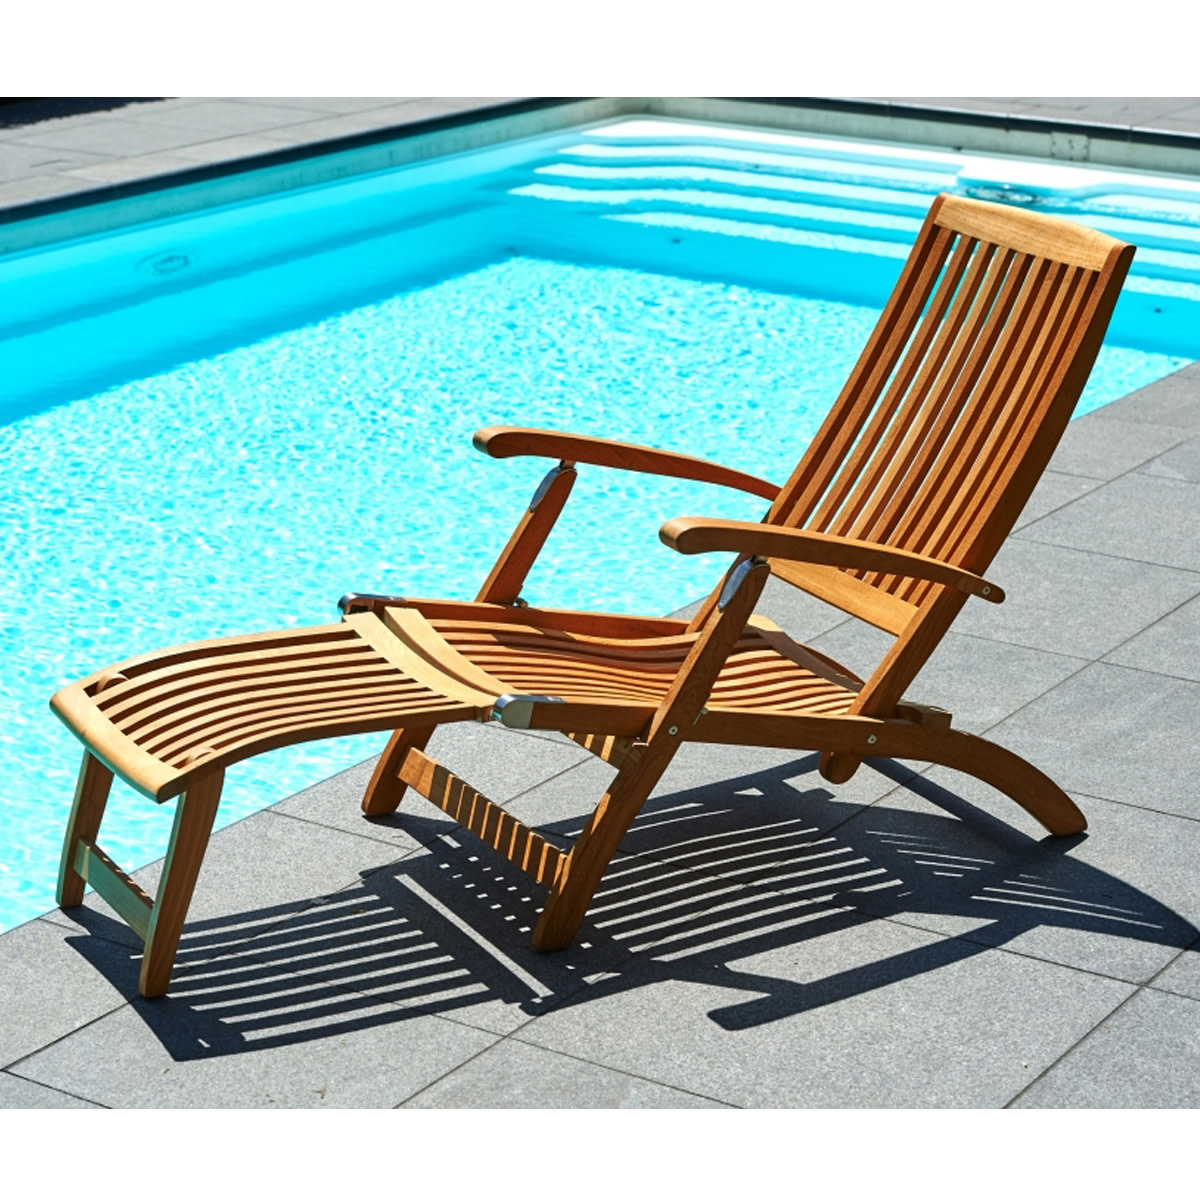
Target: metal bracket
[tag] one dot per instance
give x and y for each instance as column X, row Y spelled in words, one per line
column 353, row 602
column 516, row 711
column 735, row 580
column 547, row 480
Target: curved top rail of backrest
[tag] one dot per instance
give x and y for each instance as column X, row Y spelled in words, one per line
column 958, row 400
column 1037, row 234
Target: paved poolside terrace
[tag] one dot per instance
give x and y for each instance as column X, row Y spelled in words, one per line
column 332, row 961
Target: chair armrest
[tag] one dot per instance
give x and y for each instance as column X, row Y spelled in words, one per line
column 697, row 535
column 507, row 442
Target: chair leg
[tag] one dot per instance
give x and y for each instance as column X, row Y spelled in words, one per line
column 386, row 789
column 584, row 867
column 1007, row 772
column 87, row 811
column 196, row 809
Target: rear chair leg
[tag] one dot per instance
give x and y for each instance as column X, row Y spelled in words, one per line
column 91, row 798
column 386, row 789
column 194, row 815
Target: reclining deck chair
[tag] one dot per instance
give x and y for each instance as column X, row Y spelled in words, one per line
column 902, row 500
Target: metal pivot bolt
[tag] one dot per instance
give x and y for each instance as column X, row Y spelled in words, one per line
column 673, row 730
column 985, row 590
column 870, row 739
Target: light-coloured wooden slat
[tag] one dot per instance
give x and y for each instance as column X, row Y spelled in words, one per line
column 614, row 625
column 314, row 638
column 128, row 900
column 875, row 365
column 346, row 715
column 486, row 820
column 221, row 711
column 929, row 423
column 609, row 749
column 1036, row 234
column 157, row 685
column 894, row 420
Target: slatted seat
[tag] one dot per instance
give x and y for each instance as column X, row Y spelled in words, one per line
column 893, row 514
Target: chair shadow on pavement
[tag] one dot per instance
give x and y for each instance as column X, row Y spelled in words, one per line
column 707, row 879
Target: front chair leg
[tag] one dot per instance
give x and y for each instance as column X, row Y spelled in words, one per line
column 194, row 815
column 583, row 868
column 386, row 789
column 91, row 798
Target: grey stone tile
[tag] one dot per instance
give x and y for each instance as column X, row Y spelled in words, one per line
column 271, row 1050
column 1147, row 1055
column 337, row 804
column 1182, row 462
column 400, row 113
column 141, row 166
column 978, row 679
column 1117, row 733
column 20, row 1093
column 115, row 137
column 1122, row 901
column 207, row 119
column 1182, row 977
column 230, row 148
column 48, row 988
column 1073, row 602
column 1173, row 401
column 1101, row 446
column 709, row 795
column 41, row 187
column 1171, row 646
column 24, row 162
column 1141, row 517
column 516, row 1075
column 324, row 104
column 869, row 1013
column 446, row 931
column 1054, row 490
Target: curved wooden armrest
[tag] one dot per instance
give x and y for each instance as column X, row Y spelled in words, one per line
column 507, row 442
column 697, row 535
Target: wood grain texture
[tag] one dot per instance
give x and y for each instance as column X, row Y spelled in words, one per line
column 507, row 442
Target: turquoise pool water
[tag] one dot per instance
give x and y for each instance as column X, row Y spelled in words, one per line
column 187, row 460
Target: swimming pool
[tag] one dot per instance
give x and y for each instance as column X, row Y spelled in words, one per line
column 224, row 421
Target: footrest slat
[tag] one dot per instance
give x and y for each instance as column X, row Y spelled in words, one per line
column 126, row 898
column 482, row 817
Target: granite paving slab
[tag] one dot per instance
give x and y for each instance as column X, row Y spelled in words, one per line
column 1120, row 901
column 20, row 1093
column 255, row 873
column 871, row 1014
column 1054, row 489
column 514, row 1074
column 1079, row 602
column 1173, row 400
column 1182, row 462
column 1171, row 646
column 48, row 989
column 1182, row 976
column 1142, row 517
column 1103, row 446
column 980, row 679
column 312, row 1054
column 1146, row 1055
column 1117, row 733
column 447, row 930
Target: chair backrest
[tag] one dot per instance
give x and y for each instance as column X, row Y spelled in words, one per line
column 952, row 412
